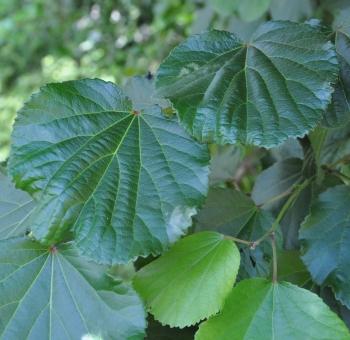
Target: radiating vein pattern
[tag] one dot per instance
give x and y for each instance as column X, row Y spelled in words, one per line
column 43, row 295
column 128, row 182
column 15, row 209
column 276, row 86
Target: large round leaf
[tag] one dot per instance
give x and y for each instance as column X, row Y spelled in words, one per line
column 191, row 281
column 259, row 309
column 15, row 208
column 53, row 294
column 325, row 236
column 127, row 182
column 276, row 86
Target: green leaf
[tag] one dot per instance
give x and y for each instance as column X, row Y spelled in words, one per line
column 259, row 309
column 291, row 268
column 276, row 86
column 290, row 10
column 325, row 237
column 224, row 163
column 271, row 190
column 250, row 10
column 339, row 111
column 15, row 208
column 55, row 294
column 257, row 262
column 191, row 281
column 225, row 210
column 224, row 7
column 275, row 181
column 126, row 182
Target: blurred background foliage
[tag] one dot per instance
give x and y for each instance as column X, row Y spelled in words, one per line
column 45, row 41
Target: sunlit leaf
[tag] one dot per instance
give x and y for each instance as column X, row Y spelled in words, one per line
column 260, row 309
column 191, row 281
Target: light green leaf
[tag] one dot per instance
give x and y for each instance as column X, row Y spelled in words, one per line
column 224, row 7
column 126, row 182
column 250, row 10
column 191, row 281
column 325, row 237
column 259, row 309
column 338, row 112
column 291, row 10
column 15, row 208
column 54, row 294
column 274, row 87
column 225, row 210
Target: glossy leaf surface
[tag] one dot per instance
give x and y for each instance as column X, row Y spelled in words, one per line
column 123, row 177
column 276, row 86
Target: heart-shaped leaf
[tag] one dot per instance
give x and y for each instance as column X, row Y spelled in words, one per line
column 325, row 237
column 276, row 86
column 191, row 281
column 54, row 294
column 126, row 179
column 259, row 309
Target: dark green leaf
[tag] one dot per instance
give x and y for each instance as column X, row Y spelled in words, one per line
column 191, row 281
column 226, row 211
column 259, row 309
column 325, row 237
column 126, row 182
column 276, row 181
column 339, row 111
column 55, row 294
column 291, row 268
column 276, row 86
column 15, row 208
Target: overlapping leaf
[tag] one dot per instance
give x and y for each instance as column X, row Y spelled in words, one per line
column 191, row 281
column 339, row 111
column 325, row 237
column 126, row 178
column 54, row 294
column 226, row 211
column 276, row 86
column 15, row 208
column 259, row 309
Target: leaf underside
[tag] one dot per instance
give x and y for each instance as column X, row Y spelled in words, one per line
column 15, row 208
column 57, row 295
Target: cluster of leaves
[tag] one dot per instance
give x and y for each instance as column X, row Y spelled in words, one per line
column 109, row 181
